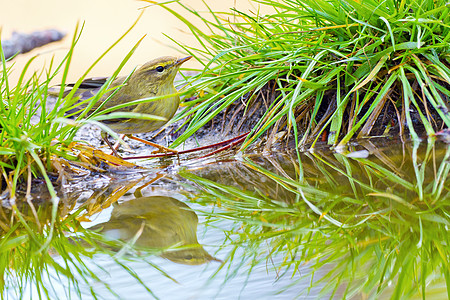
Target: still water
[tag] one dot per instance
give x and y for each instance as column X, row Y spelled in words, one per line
column 368, row 223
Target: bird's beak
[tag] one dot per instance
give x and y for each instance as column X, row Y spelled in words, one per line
column 182, row 60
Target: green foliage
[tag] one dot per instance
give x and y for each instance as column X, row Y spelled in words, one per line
column 39, row 241
column 364, row 228
column 32, row 131
column 34, row 250
column 339, row 66
column 333, row 65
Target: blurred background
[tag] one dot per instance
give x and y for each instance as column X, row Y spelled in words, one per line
column 104, row 22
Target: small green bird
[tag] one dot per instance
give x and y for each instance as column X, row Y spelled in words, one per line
column 153, row 79
column 158, row 222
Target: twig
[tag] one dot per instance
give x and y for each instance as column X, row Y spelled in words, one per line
column 225, row 147
column 232, row 142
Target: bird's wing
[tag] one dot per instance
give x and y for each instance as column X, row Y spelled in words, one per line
column 90, row 83
column 88, row 88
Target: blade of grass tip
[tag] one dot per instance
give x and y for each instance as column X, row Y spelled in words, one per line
column 106, row 85
column 68, row 59
column 211, row 25
column 16, row 96
column 77, row 84
column 194, row 29
column 52, row 131
column 216, row 19
column 325, row 10
column 4, row 69
column 187, row 50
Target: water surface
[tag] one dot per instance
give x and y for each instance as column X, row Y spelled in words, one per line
column 370, row 222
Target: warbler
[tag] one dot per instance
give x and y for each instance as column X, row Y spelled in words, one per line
column 153, row 79
column 158, row 222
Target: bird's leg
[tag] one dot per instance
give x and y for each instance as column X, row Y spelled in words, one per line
column 161, row 148
column 105, row 138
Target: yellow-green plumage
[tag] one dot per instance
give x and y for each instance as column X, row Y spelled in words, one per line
column 158, row 222
column 155, row 78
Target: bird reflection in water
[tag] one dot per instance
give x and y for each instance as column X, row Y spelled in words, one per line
column 158, row 222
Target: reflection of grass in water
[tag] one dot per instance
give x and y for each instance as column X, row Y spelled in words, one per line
column 371, row 223
column 35, row 252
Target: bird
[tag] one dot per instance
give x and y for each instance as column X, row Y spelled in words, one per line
column 157, row 222
column 153, row 79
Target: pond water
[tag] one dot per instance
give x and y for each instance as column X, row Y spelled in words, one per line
column 369, row 222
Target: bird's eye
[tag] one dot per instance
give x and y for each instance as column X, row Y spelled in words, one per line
column 159, row 69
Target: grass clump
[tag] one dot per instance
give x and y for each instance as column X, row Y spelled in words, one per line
column 37, row 130
column 333, row 70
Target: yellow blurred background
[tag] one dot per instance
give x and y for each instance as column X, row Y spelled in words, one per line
column 104, row 22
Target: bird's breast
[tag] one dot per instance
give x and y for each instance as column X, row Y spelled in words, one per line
column 165, row 108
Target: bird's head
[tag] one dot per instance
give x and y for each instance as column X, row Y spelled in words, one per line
column 159, row 71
